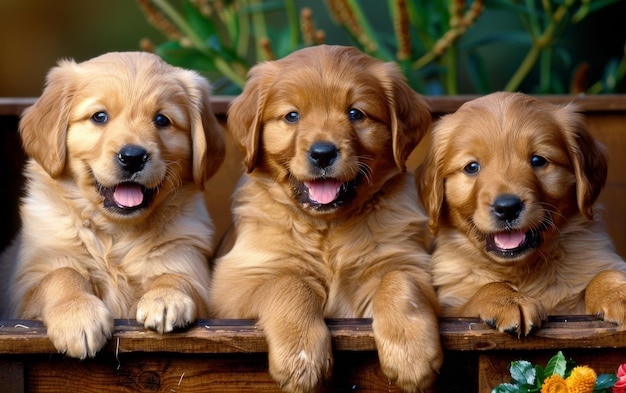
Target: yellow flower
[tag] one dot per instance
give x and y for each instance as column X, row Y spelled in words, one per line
column 581, row 380
column 554, row 384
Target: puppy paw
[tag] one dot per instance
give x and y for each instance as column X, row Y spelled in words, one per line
column 79, row 327
column 605, row 297
column 502, row 307
column 164, row 309
column 301, row 362
column 409, row 350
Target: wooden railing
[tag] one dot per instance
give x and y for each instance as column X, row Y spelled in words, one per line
column 230, row 356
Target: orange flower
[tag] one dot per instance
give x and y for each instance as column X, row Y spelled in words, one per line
column 581, row 380
column 554, row 384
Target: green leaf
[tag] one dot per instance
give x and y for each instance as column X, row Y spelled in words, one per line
column 173, row 53
column 203, row 26
column 540, row 376
column 478, row 73
column 556, row 365
column 523, row 373
column 570, row 362
column 611, row 75
column 605, row 381
column 510, row 38
column 508, row 388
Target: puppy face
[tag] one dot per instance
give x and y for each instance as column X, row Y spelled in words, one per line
column 127, row 128
column 329, row 125
column 507, row 170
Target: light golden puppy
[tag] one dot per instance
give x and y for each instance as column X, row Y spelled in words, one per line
column 510, row 182
column 327, row 222
column 113, row 220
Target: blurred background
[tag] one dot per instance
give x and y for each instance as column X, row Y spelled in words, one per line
column 37, row 33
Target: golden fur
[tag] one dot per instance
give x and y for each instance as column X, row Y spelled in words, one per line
column 87, row 254
column 317, row 118
column 510, row 183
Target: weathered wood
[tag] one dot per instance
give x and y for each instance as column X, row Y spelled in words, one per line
column 243, row 336
column 227, row 373
column 230, row 356
column 556, row 333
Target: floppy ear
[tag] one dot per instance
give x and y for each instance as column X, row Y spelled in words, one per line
column 429, row 180
column 208, row 145
column 43, row 126
column 588, row 156
column 410, row 115
column 246, row 110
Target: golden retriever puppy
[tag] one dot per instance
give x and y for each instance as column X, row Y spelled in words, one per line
column 325, row 221
column 510, row 183
column 113, row 219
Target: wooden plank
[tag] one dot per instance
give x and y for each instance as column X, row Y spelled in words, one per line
column 140, row 373
column 204, row 336
column 177, row 373
column 12, row 376
column 230, row 355
column 556, row 333
column 242, row 336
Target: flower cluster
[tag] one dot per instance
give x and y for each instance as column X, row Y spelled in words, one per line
column 561, row 376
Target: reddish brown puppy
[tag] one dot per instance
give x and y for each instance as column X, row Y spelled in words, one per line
column 326, row 222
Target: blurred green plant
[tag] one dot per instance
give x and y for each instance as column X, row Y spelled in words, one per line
column 224, row 38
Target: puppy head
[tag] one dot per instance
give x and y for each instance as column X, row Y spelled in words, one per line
column 507, row 169
column 329, row 124
column 126, row 127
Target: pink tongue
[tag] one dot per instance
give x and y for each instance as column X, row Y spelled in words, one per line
column 509, row 240
column 323, row 191
column 128, row 195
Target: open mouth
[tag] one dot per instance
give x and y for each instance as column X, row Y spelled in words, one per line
column 126, row 197
column 513, row 243
column 325, row 193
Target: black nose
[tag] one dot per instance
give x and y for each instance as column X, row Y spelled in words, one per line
column 323, row 154
column 132, row 158
column 507, row 207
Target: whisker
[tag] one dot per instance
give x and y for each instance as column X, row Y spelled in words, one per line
column 366, row 170
column 172, row 174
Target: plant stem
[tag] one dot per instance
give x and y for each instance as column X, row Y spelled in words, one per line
column 260, row 30
column 179, row 21
column 196, row 41
column 451, row 71
column 292, row 17
column 538, row 45
column 545, row 71
column 367, row 37
column 243, row 35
